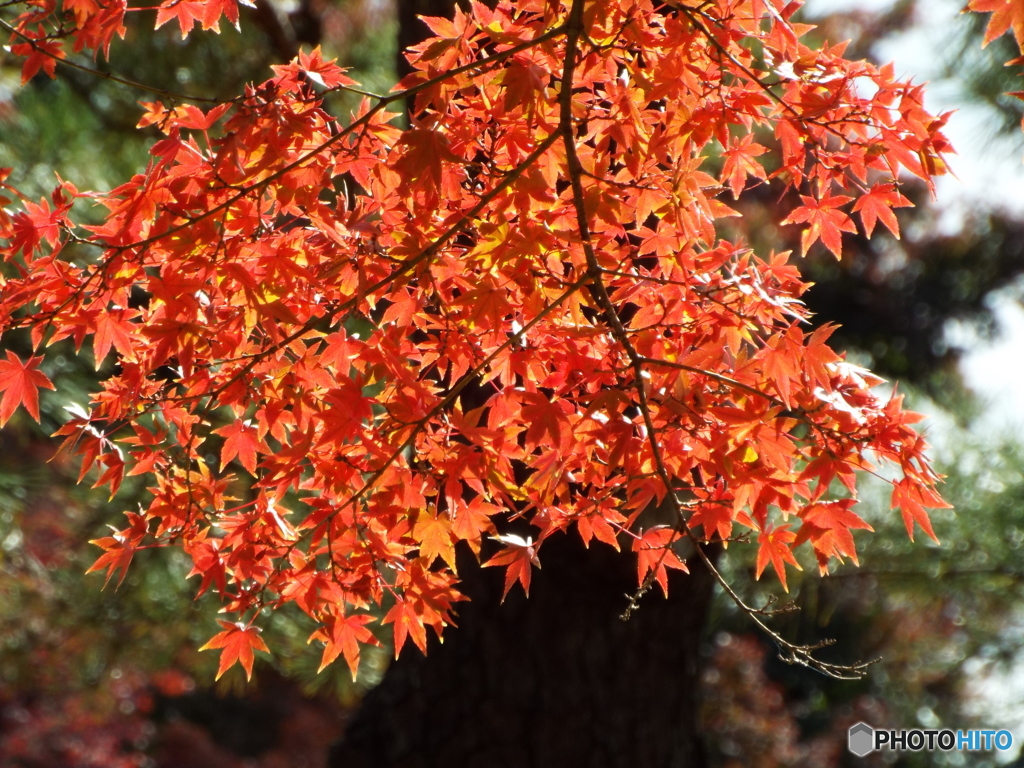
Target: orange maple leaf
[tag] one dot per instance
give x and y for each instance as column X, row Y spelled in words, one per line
column 434, row 533
column 829, row 527
column 344, row 637
column 912, row 501
column 408, row 623
column 1005, row 14
column 519, row 555
column 740, row 163
column 774, row 545
column 471, row 521
column 120, row 548
column 237, row 643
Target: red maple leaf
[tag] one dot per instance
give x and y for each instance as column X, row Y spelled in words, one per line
column 519, row 555
column 241, row 440
column 42, row 54
column 408, row 623
column 878, row 204
column 826, row 222
column 237, row 643
column 113, row 329
column 20, row 384
column 188, row 12
column 714, row 518
column 654, row 552
column 740, row 163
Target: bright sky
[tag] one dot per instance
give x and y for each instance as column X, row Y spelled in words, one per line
column 989, row 173
column 983, row 176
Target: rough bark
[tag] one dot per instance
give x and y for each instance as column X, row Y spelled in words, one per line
column 554, row 680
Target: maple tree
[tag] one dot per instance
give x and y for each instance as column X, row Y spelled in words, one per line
column 340, row 348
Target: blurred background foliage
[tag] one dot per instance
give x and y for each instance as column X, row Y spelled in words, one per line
column 111, row 677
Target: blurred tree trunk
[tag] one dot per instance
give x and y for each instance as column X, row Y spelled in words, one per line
column 557, row 679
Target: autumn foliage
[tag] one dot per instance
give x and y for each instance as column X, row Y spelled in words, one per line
column 338, row 348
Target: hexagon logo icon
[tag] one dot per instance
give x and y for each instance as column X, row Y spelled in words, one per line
column 861, row 739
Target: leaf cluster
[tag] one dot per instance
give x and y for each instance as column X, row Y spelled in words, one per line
column 342, row 348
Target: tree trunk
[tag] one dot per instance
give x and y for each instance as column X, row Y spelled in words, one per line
column 554, row 680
